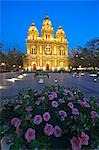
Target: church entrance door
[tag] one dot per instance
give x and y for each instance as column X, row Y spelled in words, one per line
column 47, row 66
column 34, row 66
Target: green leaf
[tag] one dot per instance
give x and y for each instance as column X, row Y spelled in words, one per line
column 34, row 144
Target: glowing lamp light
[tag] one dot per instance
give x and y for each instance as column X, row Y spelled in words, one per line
column 2, row 64
column 19, row 67
column 13, row 65
column 55, row 80
column 76, row 55
column 95, row 79
column 70, row 67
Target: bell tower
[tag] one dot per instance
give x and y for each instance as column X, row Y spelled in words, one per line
column 32, row 32
column 60, row 34
column 47, row 29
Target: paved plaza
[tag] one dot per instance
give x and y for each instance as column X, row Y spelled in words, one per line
column 9, row 88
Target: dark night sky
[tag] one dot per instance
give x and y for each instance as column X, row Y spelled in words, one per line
column 79, row 20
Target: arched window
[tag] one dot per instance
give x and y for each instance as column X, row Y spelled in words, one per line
column 33, row 50
column 62, row 51
column 48, row 36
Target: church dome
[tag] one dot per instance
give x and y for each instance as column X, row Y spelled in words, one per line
column 60, row 32
column 33, row 30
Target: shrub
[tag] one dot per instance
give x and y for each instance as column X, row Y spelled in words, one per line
column 54, row 118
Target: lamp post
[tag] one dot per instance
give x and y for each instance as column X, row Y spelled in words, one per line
column 3, row 66
column 20, row 67
column 14, row 67
column 76, row 58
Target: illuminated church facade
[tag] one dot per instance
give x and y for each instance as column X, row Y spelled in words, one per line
column 46, row 52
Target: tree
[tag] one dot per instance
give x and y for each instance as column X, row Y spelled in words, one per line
column 14, row 58
column 87, row 56
column 93, row 45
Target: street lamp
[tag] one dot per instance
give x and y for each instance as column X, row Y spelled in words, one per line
column 3, row 65
column 76, row 56
column 19, row 67
column 70, row 67
column 13, row 66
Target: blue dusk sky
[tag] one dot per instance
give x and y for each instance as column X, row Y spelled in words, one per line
column 79, row 19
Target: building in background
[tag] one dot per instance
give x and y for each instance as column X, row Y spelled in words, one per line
column 47, row 52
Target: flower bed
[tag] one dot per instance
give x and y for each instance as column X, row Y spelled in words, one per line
column 54, row 118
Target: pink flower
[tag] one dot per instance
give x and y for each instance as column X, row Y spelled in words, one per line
column 63, row 114
column 54, row 94
column 84, row 139
column 51, row 96
column 76, row 143
column 46, row 116
column 16, row 122
column 54, row 104
column 75, row 111
column 30, row 135
column 29, row 108
column 94, row 114
column 61, row 100
column 84, row 104
column 48, row 130
column 66, row 92
column 28, row 116
column 70, row 105
column 37, row 119
column 26, row 96
column 57, row 131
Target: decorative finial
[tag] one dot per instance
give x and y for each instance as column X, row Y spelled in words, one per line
column 33, row 24
column 60, row 27
column 47, row 17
